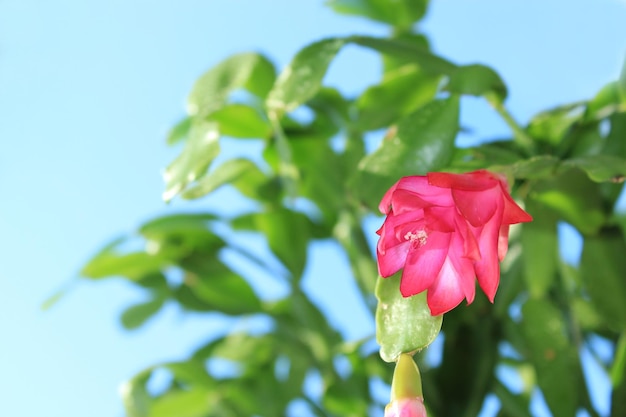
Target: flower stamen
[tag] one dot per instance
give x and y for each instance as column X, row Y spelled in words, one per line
column 418, row 238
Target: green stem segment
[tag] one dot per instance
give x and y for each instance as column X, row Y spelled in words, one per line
column 349, row 233
column 407, row 382
column 521, row 137
column 619, row 364
column 287, row 170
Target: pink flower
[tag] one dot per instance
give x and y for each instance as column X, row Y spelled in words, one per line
column 444, row 230
column 406, row 407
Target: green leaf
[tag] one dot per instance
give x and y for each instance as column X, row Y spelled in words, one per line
column 403, row 89
column 486, row 156
column 575, row 198
column 537, row 167
column 241, row 121
column 179, row 131
column 603, row 263
column 539, row 251
column 412, row 52
column 512, row 405
column 201, row 148
column 287, row 232
column 242, row 347
column 422, row 142
column 618, row 400
column 302, row 78
column 178, row 235
column 599, row 168
column 248, row 70
column 135, row 316
column 470, row 352
column 403, row 325
column 586, row 314
column 135, row 265
column 347, row 398
column 322, row 175
column 413, row 40
column 164, row 226
column 476, row 80
column 551, row 125
column 553, row 355
column 400, row 14
column 195, row 402
column 618, row 369
column 615, row 144
column 52, row 300
column 216, row 287
column 135, row 396
column 618, row 378
column 581, row 140
column 234, row 171
column 301, row 323
column 132, row 265
column 608, row 101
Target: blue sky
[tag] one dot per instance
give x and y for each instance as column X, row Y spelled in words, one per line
column 87, row 92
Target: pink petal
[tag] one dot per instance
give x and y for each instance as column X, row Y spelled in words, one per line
column 440, row 218
column 471, row 249
column 404, row 200
column 393, row 259
column 488, row 266
column 512, row 212
column 420, row 186
column 385, row 204
column 389, row 230
column 406, row 407
column 478, row 206
column 463, row 266
column 424, row 263
column 471, row 181
column 393, row 220
column 447, row 291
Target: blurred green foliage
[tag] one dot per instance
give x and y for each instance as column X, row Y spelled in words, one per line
column 567, row 165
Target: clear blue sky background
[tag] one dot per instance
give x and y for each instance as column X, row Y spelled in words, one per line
column 87, row 92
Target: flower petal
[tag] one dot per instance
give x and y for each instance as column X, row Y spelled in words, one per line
column 385, row 204
column 471, row 181
column 463, row 265
column 478, row 206
column 441, row 219
column 447, row 291
column 488, row 266
column 512, row 212
column 419, row 185
column 424, row 263
column 393, row 259
column 403, row 201
column 406, row 407
column 471, row 249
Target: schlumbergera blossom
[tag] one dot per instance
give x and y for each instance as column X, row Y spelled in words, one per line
column 445, row 230
column 407, row 407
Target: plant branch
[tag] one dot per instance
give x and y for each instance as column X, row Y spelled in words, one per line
column 286, row 169
column 349, row 234
column 519, row 134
